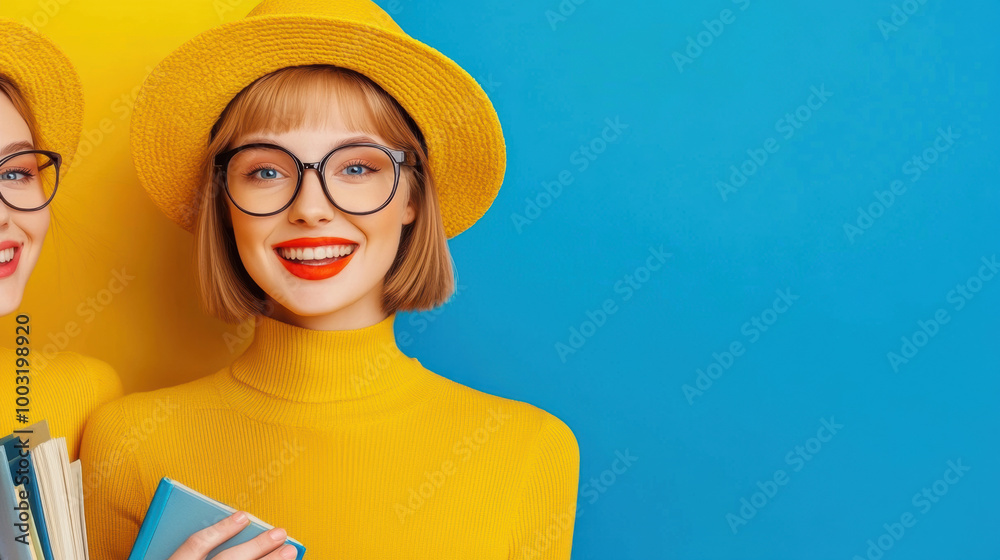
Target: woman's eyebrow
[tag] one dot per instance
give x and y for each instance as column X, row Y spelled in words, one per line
column 342, row 142
column 16, row 147
column 354, row 139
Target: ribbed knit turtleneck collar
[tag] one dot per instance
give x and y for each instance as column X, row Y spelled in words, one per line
column 291, row 374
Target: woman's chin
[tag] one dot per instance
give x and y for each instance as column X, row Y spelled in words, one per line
column 10, row 296
column 302, row 305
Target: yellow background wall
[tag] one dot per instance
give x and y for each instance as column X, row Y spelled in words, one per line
column 116, row 278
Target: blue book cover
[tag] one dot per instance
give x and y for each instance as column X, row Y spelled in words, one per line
column 178, row 511
column 12, row 457
column 10, row 546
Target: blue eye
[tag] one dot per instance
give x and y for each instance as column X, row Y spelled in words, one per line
column 13, row 176
column 267, row 174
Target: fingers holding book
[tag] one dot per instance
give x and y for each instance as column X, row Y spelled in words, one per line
column 266, row 546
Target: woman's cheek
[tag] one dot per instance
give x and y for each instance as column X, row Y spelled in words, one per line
column 35, row 226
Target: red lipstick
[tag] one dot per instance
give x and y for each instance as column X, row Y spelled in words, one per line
column 314, row 269
column 8, row 268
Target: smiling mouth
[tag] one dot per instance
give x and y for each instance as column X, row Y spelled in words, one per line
column 317, row 262
column 7, row 255
column 315, row 256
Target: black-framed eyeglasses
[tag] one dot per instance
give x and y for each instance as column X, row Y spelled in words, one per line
column 29, row 179
column 264, row 179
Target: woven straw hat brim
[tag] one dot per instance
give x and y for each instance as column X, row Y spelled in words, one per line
column 186, row 93
column 49, row 83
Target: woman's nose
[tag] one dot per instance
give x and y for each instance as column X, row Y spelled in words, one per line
column 311, row 206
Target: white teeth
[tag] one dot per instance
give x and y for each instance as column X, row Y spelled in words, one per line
column 315, row 253
column 7, row 255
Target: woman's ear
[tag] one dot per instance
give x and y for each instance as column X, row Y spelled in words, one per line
column 411, row 212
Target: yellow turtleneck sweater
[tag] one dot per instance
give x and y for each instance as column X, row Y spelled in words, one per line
column 63, row 390
column 355, row 448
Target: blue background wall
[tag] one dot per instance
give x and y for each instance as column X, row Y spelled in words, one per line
column 864, row 270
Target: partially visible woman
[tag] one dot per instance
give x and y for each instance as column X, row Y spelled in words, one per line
column 41, row 115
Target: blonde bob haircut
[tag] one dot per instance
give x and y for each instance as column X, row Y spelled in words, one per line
column 421, row 276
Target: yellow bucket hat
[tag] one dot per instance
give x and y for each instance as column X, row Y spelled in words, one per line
column 185, row 95
column 49, row 83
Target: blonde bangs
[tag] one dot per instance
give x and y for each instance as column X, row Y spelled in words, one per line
column 310, row 96
column 10, row 89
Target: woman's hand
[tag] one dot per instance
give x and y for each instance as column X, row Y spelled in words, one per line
column 266, row 546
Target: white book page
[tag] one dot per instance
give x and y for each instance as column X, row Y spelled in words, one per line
column 74, row 547
column 53, row 472
column 43, row 476
column 78, row 478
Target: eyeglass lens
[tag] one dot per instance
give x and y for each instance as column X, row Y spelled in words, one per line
column 263, row 180
column 28, row 180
